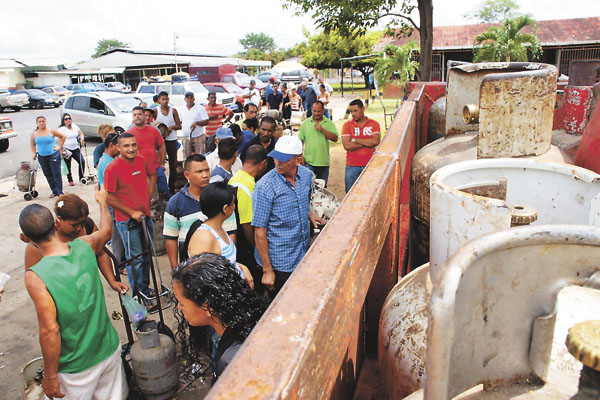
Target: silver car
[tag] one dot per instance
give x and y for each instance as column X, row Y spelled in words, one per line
column 90, row 110
column 117, row 87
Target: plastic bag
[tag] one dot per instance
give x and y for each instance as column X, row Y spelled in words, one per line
column 137, row 312
column 63, row 167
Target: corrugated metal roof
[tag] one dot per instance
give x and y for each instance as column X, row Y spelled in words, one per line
column 126, row 59
column 552, row 32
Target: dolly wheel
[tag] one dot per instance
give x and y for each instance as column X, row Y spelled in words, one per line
column 34, row 194
column 27, row 196
column 83, row 181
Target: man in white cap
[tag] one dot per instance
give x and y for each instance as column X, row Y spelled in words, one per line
column 281, row 214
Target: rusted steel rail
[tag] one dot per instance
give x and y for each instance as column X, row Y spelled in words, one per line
column 311, row 342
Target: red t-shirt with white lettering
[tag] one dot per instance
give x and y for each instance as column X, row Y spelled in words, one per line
column 129, row 182
column 361, row 157
column 214, row 124
column 149, row 140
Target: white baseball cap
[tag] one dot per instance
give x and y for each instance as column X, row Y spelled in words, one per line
column 286, row 147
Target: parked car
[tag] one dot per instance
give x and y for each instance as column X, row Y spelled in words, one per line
column 12, row 101
column 39, row 99
column 296, row 76
column 267, row 75
column 81, row 87
column 222, row 87
column 57, row 91
column 177, row 90
column 100, row 87
column 117, row 87
column 89, row 110
column 6, row 132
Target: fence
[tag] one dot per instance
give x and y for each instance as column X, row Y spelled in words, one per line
column 311, row 342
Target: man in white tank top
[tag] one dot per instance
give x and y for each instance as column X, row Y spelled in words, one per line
column 168, row 115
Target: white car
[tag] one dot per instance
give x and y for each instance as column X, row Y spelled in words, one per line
column 89, row 110
column 177, row 91
column 117, row 87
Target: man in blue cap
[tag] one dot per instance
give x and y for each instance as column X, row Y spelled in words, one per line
column 213, row 157
column 281, row 214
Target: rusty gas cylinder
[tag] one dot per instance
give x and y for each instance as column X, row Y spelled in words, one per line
column 510, row 107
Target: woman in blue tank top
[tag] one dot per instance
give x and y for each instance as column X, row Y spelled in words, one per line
column 216, row 202
column 47, row 151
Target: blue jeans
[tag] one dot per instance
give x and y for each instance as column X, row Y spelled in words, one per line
column 131, row 235
column 51, row 168
column 327, row 113
column 161, row 181
column 320, row 172
column 352, row 174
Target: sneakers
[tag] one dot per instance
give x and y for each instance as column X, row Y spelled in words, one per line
column 71, row 183
column 52, row 196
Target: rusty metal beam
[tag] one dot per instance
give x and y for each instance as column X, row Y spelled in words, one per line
column 309, row 344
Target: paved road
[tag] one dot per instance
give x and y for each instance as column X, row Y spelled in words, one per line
column 24, row 124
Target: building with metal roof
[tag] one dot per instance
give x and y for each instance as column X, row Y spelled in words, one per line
column 129, row 65
column 562, row 40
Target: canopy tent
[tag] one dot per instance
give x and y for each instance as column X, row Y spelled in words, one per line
column 287, row 66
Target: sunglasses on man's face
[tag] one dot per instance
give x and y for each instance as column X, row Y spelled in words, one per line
column 67, row 119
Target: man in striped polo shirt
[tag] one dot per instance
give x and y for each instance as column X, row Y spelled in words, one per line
column 216, row 113
column 183, row 208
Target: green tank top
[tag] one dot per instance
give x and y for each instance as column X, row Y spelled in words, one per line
column 87, row 336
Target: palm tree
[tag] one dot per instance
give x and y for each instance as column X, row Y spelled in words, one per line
column 398, row 64
column 508, row 43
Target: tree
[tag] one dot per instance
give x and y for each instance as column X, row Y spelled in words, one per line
column 397, row 65
column 259, row 41
column 324, row 50
column 507, row 43
column 494, row 11
column 356, row 17
column 108, row 44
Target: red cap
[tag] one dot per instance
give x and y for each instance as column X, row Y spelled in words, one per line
column 272, row 79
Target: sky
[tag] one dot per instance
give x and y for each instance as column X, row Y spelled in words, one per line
column 70, row 29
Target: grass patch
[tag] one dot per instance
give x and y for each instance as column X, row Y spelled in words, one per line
column 373, row 111
column 358, row 87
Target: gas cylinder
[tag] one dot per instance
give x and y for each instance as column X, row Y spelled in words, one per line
column 470, row 199
column 493, row 110
column 25, row 179
column 154, row 363
column 159, row 239
column 437, row 120
column 500, row 315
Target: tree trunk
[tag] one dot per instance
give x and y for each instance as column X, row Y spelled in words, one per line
column 426, row 35
column 365, row 73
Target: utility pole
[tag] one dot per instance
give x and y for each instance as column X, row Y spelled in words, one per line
column 175, row 37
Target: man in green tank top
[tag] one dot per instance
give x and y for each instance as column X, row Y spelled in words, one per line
column 79, row 344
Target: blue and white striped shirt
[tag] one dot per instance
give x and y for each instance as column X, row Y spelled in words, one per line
column 283, row 210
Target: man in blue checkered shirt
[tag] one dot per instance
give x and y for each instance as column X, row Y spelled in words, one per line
column 281, row 214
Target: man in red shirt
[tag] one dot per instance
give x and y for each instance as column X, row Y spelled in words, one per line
column 360, row 136
column 149, row 141
column 129, row 181
column 216, row 112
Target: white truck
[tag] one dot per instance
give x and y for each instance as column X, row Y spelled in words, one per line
column 13, row 101
column 6, row 132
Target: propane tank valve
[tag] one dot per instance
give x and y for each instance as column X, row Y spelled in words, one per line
column 470, row 114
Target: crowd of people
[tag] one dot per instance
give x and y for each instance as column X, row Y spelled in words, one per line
column 234, row 233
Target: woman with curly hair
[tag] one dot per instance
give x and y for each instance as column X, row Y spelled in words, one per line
column 210, row 292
